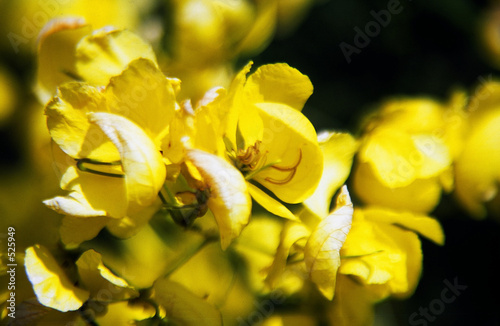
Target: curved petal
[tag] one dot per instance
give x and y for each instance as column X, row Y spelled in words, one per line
column 104, row 285
column 70, row 128
column 291, row 142
column 52, row 287
column 56, row 54
column 322, row 251
column 142, row 163
column 229, row 199
column 338, row 152
column 107, row 52
column 145, row 96
column 270, row 203
column 75, row 230
column 183, row 307
column 279, row 83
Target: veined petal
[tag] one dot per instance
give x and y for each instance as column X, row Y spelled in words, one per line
column 322, row 251
column 270, row 203
column 290, row 140
column 142, row 163
column 106, row 53
column 52, row 287
column 279, row 83
column 145, row 96
column 96, row 276
column 56, row 54
column 338, row 152
column 229, row 200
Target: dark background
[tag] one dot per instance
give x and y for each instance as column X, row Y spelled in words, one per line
column 429, row 49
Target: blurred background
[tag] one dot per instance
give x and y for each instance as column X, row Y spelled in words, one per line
column 429, row 48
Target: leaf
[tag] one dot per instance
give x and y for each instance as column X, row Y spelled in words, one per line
column 229, row 199
column 52, row 287
column 322, row 251
column 183, row 307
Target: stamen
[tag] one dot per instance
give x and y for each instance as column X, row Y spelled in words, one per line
column 292, row 169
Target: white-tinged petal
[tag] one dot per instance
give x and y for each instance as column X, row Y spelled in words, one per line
column 229, row 200
column 52, row 287
column 142, row 163
column 322, row 251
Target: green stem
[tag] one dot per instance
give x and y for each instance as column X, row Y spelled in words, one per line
column 81, row 167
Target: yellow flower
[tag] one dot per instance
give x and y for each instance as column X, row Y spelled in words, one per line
column 406, row 153
column 68, row 50
column 258, row 126
column 315, row 246
column 111, row 139
column 104, row 291
column 24, row 19
column 383, row 250
column 477, row 172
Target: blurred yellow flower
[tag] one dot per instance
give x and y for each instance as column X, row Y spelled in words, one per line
column 477, row 174
column 383, row 250
column 406, row 153
column 24, row 19
column 111, row 139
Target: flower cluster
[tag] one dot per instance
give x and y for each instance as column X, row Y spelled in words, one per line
column 194, row 193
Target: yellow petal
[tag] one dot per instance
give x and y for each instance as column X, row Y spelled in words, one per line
column 126, row 313
column 424, row 225
column 74, row 204
column 90, row 194
column 338, row 152
column 279, row 83
column 56, row 54
column 382, row 254
column 292, row 232
column 69, row 126
column 183, row 307
column 145, row 96
column 290, row 139
column 75, row 230
column 229, row 200
column 420, row 196
column 106, row 53
column 104, row 285
column 52, row 287
column 269, row 203
column 393, row 157
column 322, row 251
column 142, row 163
